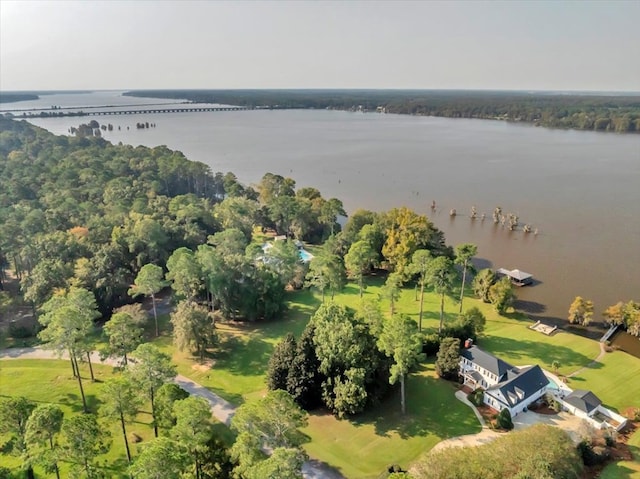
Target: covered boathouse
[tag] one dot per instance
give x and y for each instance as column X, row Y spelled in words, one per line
column 519, row 278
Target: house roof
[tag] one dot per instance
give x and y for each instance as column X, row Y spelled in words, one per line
column 515, row 274
column 487, row 361
column 584, row 400
column 519, row 386
column 520, row 275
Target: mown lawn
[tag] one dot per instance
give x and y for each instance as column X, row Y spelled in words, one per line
column 51, row 381
column 364, row 446
column 615, row 379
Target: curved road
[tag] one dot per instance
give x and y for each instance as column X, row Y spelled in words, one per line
column 222, row 410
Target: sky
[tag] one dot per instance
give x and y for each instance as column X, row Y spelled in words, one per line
column 515, row 45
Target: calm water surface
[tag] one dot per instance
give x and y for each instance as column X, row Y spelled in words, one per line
column 580, row 189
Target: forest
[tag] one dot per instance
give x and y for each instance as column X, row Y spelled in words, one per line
column 596, row 112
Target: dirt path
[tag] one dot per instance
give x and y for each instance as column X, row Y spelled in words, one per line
column 221, row 409
column 592, row 363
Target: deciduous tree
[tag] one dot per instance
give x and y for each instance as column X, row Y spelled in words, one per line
column 185, row 274
column 358, row 262
column 166, row 396
column 501, row 294
column 270, row 423
column 273, row 420
column 625, row 314
column 193, row 328
column 581, row 311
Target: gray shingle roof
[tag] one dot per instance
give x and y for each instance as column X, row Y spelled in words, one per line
column 487, row 361
column 584, row 400
column 519, row 387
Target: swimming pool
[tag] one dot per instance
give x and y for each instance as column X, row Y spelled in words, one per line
column 305, row 256
column 552, row 384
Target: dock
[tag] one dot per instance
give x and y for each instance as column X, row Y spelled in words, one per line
column 519, row 278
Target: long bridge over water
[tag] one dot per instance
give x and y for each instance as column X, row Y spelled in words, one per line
column 145, row 111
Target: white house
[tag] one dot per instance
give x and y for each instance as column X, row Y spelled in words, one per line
column 505, row 386
column 509, row 387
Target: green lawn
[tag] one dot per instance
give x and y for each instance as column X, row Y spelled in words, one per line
column 364, row 446
column 615, row 379
column 505, row 336
column 51, row 381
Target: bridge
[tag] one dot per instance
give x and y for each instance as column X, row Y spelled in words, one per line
column 147, row 111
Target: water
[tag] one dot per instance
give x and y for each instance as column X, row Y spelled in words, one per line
column 626, row 342
column 580, row 189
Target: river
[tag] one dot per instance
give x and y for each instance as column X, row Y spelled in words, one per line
column 581, row 190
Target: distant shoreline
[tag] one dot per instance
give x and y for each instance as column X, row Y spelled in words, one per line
column 576, row 111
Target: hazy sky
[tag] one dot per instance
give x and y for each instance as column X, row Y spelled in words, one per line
column 471, row 45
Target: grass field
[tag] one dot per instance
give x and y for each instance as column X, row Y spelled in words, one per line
column 363, row 446
column 51, row 381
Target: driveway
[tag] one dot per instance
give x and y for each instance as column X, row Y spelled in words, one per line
column 220, row 409
column 569, row 423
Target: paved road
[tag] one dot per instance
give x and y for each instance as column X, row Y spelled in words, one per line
column 222, row 410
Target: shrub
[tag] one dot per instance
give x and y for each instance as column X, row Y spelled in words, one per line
column 592, row 456
column 20, row 332
column 430, row 344
column 504, row 420
column 476, row 397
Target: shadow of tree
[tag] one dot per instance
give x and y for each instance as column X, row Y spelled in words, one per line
column 545, row 353
column 431, row 409
column 244, row 356
column 74, row 401
column 530, row 307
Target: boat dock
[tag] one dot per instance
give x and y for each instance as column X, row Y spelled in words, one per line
column 519, row 278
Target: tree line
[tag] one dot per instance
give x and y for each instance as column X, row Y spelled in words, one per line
column 619, row 113
column 626, row 315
